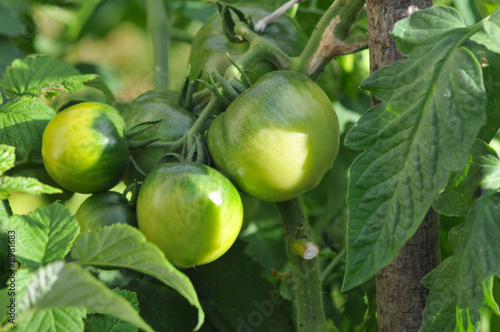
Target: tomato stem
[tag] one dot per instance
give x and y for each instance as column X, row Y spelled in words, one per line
column 331, row 37
column 311, row 317
column 159, row 30
column 259, row 49
column 196, row 129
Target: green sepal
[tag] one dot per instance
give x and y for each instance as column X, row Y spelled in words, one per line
column 132, row 145
column 139, row 128
column 228, row 22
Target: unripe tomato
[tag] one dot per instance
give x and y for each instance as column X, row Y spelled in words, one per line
column 150, row 106
column 208, row 51
column 104, row 209
column 278, row 138
column 190, row 211
column 84, row 148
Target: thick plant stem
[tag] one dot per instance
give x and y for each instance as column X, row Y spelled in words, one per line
column 331, row 38
column 401, row 298
column 159, row 31
column 311, row 317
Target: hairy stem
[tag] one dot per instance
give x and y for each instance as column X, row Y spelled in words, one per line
column 311, row 317
column 159, row 31
column 331, row 38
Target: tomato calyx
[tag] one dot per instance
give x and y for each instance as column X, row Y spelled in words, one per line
column 228, row 23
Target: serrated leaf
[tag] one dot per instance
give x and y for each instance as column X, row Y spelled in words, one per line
column 55, row 320
column 42, row 76
column 460, row 193
column 124, row 246
column 23, row 121
column 7, row 158
column 438, row 101
column 45, row 235
column 107, row 323
column 461, row 284
column 21, row 184
column 59, row 285
column 239, row 299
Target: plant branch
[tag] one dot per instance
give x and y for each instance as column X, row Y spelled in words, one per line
column 159, row 31
column 332, row 37
column 311, row 317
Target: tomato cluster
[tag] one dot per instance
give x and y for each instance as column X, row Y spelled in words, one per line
column 271, row 142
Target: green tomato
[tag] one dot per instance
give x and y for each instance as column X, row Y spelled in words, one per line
column 278, row 138
column 104, row 209
column 190, row 211
column 84, row 148
column 209, row 47
column 150, row 106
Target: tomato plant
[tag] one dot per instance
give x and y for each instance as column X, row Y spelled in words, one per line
column 304, row 183
column 190, row 211
column 84, row 148
column 278, row 139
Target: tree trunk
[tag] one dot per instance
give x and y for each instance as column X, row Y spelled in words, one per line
column 400, row 295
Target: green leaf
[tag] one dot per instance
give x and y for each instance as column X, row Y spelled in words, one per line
column 59, row 285
column 42, row 76
column 460, row 193
column 108, row 323
column 239, row 298
column 45, row 235
column 436, row 101
column 55, row 320
column 461, row 284
column 23, row 121
column 7, row 158
column 21, row 184
column 123, row 246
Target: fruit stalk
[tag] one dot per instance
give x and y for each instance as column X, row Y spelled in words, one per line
column 311, row 317
column 159, row 31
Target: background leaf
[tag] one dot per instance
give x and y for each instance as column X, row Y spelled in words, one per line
column 45, row 235
column 108, row 323
column 460, row 285
column 68, row 285
column 460, row 193
column 437, row 100
column 126, row 247
column 42, row 76
column 23, row 121
column 235, row 296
